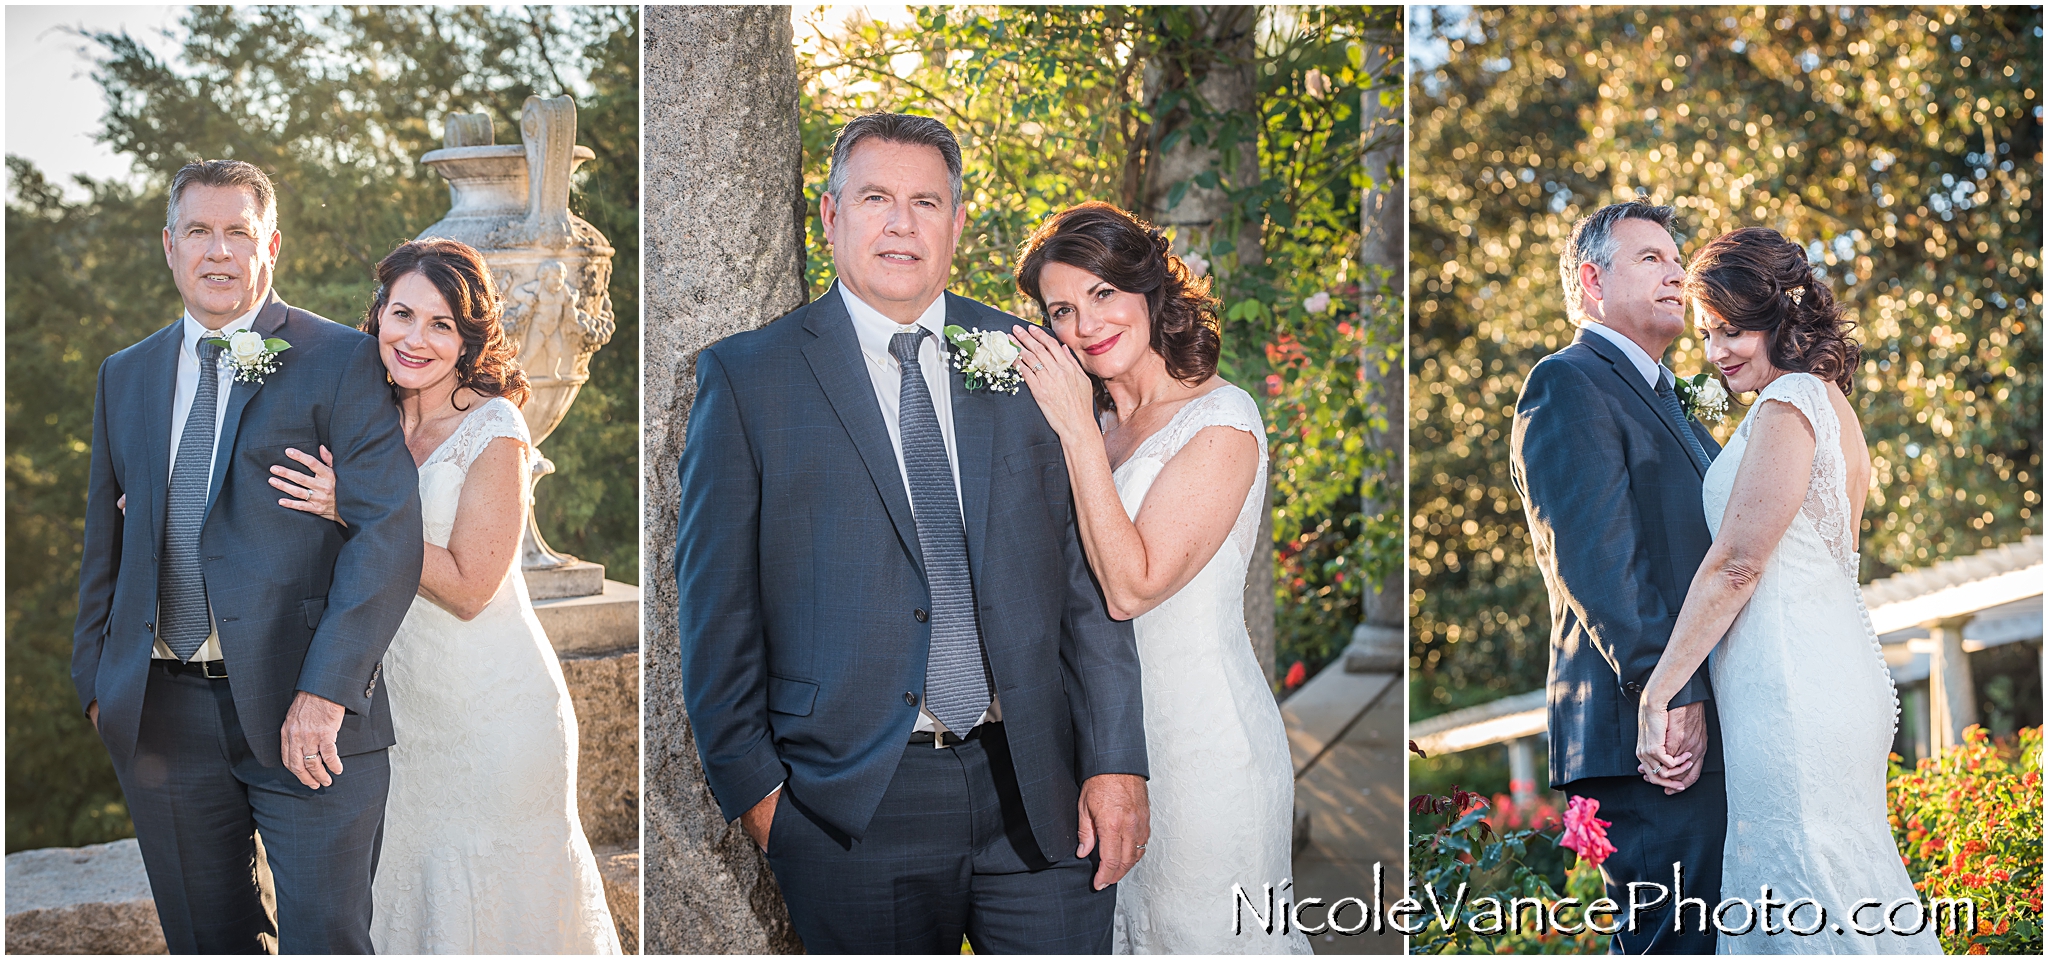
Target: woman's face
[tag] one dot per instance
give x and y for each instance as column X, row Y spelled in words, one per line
column 416, row 334
column 1109, row 329
column 1741, row 355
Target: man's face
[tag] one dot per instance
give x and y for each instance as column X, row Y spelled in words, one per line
column 894, row 227
column 219, row 253
column 1641, row 295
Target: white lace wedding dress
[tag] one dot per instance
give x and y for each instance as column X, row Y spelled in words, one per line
column 1222, row 785
column 482, row 850
column 1807, row 716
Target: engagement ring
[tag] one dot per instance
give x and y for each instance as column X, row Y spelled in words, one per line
column 1038, row 368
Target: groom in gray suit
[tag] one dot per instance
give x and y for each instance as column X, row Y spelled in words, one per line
column 228, row 649
column 1609, row 467
column 900, row 674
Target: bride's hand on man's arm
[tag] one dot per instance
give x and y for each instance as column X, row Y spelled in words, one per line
column 308, row 492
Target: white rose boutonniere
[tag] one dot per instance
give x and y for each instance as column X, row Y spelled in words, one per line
column 1703, row 397
column 986, row 357
column 252, row 356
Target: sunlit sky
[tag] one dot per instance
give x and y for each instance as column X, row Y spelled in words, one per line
column 53, row 105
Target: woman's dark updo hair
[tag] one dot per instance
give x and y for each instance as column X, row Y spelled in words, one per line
column 1755, row 279
column 487, row 365
column 1135, row 257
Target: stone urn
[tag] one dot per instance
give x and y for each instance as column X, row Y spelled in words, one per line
column 553, row 270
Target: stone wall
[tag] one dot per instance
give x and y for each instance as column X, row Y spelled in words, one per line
column 96, row 900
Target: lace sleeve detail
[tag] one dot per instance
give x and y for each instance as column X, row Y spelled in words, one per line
column 1225, row 406
column 496, row 418
column 1827, row 489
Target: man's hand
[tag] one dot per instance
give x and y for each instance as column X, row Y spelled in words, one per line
column 1687, row 736
column 92, row 712
column 757, row 820
column 1116, row 816
column 1672, row 745
column 308, row 739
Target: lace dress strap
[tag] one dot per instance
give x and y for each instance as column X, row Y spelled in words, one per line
column 1225, row 406
column 496, row 418
column 1827, row 490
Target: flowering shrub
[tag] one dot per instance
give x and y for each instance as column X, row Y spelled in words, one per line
column 1468, row 851
column 1969, row 825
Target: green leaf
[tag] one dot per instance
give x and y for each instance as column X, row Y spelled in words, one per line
column 276, row 345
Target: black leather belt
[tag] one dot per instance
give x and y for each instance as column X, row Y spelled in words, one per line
column 210, row 669
column 922, row 737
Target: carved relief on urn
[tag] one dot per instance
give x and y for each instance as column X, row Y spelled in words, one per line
column 552, row 268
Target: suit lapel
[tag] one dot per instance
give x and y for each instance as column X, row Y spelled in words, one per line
column 973, row 438
column 159, row 394
column 1626, row 370
column 836, row 361
column 268, row 322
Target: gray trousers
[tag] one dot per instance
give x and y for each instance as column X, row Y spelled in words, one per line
column 948, row 855
column 198, row 797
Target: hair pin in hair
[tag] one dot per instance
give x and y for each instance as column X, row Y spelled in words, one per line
column 1798, row 295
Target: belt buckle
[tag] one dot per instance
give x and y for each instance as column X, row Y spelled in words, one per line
column 213, row 669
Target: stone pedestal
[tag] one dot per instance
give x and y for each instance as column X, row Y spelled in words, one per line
column 1376, row 649
column 576, row 578
column 81, row 900
column 597, row 639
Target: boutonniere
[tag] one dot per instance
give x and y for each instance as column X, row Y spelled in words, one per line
column 1703, row 397
column 987, row 358
column 250, row 355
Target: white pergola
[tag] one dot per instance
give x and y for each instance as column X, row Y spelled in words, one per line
column 1927, row 620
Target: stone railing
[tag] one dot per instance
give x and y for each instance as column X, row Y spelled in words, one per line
column 96, row 899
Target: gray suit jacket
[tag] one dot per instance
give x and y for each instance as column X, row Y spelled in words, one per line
column 800, row 583
column 1613, row 500
column 300, row 602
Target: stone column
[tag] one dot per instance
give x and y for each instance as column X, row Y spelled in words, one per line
column 723, row 210
column 1522, row 770
column 1951, row 690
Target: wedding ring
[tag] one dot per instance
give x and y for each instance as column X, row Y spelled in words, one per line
column 1038, row 368
column 1141, row 846
column 312, row 758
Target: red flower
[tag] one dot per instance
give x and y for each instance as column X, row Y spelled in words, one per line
column 1584, row 832
column 1296, row 675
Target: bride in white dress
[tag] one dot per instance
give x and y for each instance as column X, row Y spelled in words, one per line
column 1168, row 486
column 1807, row 708
column 482, row 850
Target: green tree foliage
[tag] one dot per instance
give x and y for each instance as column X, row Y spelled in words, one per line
column 1051, row 108
column 1903, row 147
column 337, row 105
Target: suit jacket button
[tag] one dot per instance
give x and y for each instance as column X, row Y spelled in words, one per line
column 149, row 626
column 920, row 615
column 910, row 698
column 1632, row 689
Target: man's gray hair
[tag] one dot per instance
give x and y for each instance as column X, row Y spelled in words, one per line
column 894, row 128
column 224, row 173
column 1592, row 241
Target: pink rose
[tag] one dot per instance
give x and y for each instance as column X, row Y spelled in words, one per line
column 1584, row 832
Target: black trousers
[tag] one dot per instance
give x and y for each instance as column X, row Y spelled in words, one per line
column 948, row 855
column 1650, row 832
column 198, row 797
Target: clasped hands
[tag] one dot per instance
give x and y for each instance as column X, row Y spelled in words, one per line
column 1116, row 817
column 1670, row 743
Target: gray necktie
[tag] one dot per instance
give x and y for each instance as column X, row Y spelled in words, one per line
column 955, row 684
column 182, row 615
column 1676, row 411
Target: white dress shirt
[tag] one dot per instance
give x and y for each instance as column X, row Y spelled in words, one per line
column 187, row 381
column 1646, row 365
column 875, row 332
